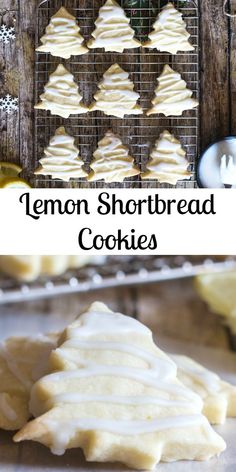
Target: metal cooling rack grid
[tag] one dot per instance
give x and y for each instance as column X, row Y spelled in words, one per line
column 144, row 66
column 117, row 271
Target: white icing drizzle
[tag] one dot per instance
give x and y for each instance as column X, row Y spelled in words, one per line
column 61, row 95
column 113, row 31
column 134, row 400
column 61, row 159
column 62, row 38
column 158, row 367
column 208, row 379
column 157, row 374
column 160, row 374
column 170, row 34
column 116, row 96
column 112, row 161
column 99, row 321
column 5, row 408
column 61, row 436
column 168, row 161
column 135, row 374
column 172, row 96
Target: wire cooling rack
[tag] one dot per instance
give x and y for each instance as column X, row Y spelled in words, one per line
column 144, row 66
column 117, row 271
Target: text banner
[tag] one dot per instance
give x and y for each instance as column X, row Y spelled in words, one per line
column 118, row 221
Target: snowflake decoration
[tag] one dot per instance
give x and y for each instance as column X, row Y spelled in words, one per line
column 7, row 33
column 9, row 103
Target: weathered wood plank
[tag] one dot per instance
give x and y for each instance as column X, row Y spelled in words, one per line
column 54, row 314
column 170, row 309
column 9, row 84
column 232, row 33
column 174, row 309
column 215, row 106
column 26, row 40
column 9, row 5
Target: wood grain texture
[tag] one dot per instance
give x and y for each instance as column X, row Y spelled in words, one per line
column 26, row 39
column 9, row 5
column 9, row 84
column 215, row 72
column 218, row 82
column 168, row 308
column 232, row 30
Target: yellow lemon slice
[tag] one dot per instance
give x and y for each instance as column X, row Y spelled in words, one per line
column 14, row 182
column 9, row 169
column 219, row 291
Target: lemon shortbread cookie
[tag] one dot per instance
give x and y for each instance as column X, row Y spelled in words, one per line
column 219, row 397
column 112, row 161
column 169, row 32
column 61, row 95
column 61, row 159
column 219, row 291
column 168, row 161
column 116, row 95
column 30, row 267
column 113, row 31
column 172, row 97
column 23, row 360
column 113, row 393
column 62, row 37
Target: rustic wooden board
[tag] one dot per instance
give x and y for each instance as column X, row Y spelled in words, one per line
column 169, row 308
column 217, row 55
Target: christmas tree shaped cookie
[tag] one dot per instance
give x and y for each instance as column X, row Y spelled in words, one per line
column 169, row 32
column 61, row 159
column 113, row 31
column 113, row 393
column 116, row 95
column 23, row 360
column 168, row 161
column 112, row 161
column 172, row 96
column 219, row 397
column 62, row 37
column 61, row 95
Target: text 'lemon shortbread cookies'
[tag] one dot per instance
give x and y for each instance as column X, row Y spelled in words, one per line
column 113, row 393
column 219, row 397
column 116, row 95
column 28, row 268
column 169, row 32
column 23, row 360
column 112, row 161
column 61, row 95
column 113, row 31
column 62, row 37
column 172, row 97
column 61, row 159
column 168, row 161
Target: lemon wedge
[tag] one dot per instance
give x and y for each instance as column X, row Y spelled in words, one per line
column 13, row 182
column 9, row 173
column 9, row 169
column 219, row 291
